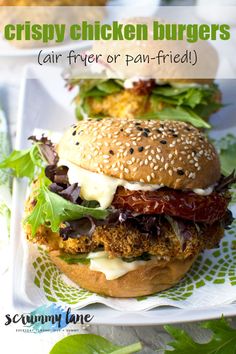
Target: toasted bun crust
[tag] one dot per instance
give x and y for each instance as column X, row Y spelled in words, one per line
column 153, row 277
column 168, row 72
column 173, row 154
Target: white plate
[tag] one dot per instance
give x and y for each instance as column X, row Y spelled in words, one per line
column 44, row 104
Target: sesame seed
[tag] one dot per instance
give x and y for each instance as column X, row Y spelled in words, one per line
column 140, row 149
column 145, row 134
column 163, row 142
column 131, row 150
column 180, row 172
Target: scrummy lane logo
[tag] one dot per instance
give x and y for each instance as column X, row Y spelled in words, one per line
column 48, row 318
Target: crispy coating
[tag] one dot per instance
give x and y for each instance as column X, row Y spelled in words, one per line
column 119, row 105
column 121, row 241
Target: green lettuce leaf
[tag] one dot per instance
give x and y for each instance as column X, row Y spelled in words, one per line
column 178, row 114
column 197, row 102
column 226, row 148
column 223, row 340
column 187, row 96
column 24, row 163
column 98, row 88
column 205, row 110
column 73, row 259
column 91, row 344
column 109, row 87
column 51, row 209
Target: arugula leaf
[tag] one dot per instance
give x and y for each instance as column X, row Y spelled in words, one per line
column 91, row 344
column 86, row 85
column 201, row 100
column 169, row 91
column 95, row 92
column 73, row 259
column 51, row 209
column 109, row 87
column 99, row 87
column 24, row 163
column 178, row 114
column 205, row 110
column 186, row 96
column 223, row 339
column 226, row 148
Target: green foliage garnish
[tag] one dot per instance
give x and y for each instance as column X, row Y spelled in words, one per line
column 24, row 163
column 51, row 209
column 187, row 104
column 91, row 344
column 73, row 259
column 223, row 339
column 179, row 114
column 186, row 96
column 144, row 257
column 226, row 148
column 93, row 88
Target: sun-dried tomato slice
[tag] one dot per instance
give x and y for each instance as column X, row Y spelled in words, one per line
column 186, row 205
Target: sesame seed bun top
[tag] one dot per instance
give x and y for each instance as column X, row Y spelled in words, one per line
column 170, row 153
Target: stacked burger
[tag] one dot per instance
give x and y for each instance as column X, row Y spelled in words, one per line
column 136, row 202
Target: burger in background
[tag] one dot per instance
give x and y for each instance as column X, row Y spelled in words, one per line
column 148, row 90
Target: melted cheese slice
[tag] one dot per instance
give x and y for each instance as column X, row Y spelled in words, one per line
column 112, row 268
column 99, row 187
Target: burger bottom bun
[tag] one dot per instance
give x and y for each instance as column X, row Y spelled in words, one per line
column 151, row 278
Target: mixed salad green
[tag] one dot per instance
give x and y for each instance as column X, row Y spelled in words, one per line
column 187, row 104
column 223, row 341
column 50, row 209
